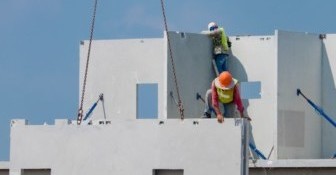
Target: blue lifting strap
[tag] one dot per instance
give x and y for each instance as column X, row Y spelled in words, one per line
column 101, row 98
column 318, row 109
column 90, row 111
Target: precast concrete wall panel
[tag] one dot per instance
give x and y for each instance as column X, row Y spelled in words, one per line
column 329, row 94
column 293, row 171
column 115, row 69
column 130, row 147
column 283, row 126
column 299, row 66
column 192, row 56
column 253, row 59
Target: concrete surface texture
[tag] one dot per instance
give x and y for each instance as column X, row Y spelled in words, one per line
column 129, row 147
column 284, row 126
column 115, row 69
column 329, row 94
column 299, row 66
column 254, row 59
column 192, row 56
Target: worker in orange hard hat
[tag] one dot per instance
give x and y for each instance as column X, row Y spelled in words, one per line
column 221, row 45
column 224, row 89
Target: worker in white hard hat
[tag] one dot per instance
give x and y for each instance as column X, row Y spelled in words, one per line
column 221, row 46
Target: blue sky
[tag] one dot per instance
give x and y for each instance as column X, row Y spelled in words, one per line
column 39, row 48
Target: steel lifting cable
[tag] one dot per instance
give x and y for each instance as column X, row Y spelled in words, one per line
column 80, row 110
column 180, row 105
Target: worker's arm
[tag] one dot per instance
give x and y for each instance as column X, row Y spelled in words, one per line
column 205, row 32
column 215, row 33
column 215, row 103
column 237, row 100
column 211, row 33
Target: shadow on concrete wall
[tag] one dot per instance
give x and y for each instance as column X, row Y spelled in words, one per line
column 328, row 105
column 238, row 71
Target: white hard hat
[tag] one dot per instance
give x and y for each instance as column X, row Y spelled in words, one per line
column 212, row 24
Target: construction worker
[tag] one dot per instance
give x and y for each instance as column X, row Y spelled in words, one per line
column 221, row 45
column 224, row 89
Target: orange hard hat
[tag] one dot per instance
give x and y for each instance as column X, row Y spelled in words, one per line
column 225, row 80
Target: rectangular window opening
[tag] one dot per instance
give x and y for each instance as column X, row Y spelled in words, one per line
column 250, row 90
column 36, row 172
column 168, row 172
column 147, row 101
column 4, row 171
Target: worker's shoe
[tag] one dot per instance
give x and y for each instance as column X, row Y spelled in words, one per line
column 206, row 115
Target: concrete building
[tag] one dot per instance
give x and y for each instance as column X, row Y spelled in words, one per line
column 135, row 76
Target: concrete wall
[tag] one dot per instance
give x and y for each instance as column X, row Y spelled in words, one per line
column 282, row 122
column 115, row 68
column 254, row 60
column 294, row 167
column 284, row 125
column 299, row 66
column 192, row 53
column 129, row 147
column 292, row 171
column 192, row 57
column 329, row 94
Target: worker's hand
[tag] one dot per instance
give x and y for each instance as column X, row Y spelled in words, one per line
column 220, row 118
